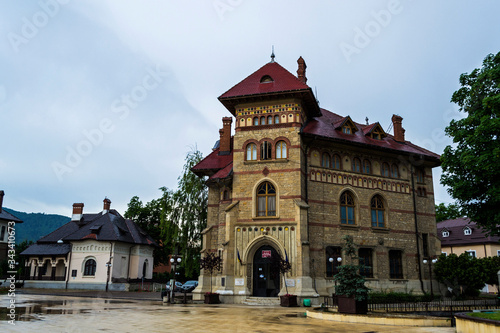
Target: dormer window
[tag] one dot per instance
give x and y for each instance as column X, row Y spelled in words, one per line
column 445, row 233
column 266, row 78
column 467, row 231
column 346, row 125
column 347, row 129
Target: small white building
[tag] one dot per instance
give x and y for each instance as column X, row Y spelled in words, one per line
column 101, row 251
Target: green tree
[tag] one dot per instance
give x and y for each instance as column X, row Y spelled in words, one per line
column 449, row 212
column 463, row 274
column 176, row 219
column 491, row 266
column 351, row 283
column 470, row 166
column 190, row 213
column 148, row 218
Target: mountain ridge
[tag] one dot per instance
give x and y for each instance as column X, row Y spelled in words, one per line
column 36, row 225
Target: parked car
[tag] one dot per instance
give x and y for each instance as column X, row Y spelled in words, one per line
column 189, row 286
column 178, row 286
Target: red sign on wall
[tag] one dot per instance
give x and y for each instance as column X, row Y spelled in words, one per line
column 266, row 253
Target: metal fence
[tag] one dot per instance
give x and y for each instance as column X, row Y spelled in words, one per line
column 433, row 306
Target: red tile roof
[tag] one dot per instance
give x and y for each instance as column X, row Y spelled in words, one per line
column 213, row 162
column 283, row 80
column 283, row 83
column 325, row 126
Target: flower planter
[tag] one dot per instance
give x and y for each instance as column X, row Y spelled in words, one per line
column 348, row 304
column 212, row 299
column 288, row 300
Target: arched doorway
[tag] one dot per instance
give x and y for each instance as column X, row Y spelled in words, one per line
column 266, row 283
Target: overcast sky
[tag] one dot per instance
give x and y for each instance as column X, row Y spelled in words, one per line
column 105, row 98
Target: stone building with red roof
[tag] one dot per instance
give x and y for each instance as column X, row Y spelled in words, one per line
column 295, row 178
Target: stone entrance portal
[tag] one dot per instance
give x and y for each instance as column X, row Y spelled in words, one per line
column 265, row 282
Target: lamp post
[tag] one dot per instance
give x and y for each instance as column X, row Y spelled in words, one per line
column 174, row 260
column 332, row 260
column 430, row 262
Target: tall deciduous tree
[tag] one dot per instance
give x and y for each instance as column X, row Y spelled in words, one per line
column 471, row 165
column 190, row 213
column 449, row 212
column 176, row 219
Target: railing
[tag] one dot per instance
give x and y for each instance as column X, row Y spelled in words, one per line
column 433, row 306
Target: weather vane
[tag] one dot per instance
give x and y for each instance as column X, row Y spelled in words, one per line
column 272, row 55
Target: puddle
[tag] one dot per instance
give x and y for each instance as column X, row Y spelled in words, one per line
column 36, row 310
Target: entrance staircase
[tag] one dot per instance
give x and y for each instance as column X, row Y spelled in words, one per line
column 262, row 301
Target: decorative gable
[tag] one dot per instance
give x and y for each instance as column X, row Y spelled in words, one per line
column 467, row 231
column 346, row 125
column 445, row 233
column 375, row 131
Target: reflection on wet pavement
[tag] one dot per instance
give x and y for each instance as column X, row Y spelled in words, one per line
column 39, row 313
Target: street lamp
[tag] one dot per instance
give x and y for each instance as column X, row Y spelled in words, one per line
column 332, row 260
column 430, row 262
column 174, row 260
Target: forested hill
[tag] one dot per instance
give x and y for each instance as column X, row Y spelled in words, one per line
column 36, row 225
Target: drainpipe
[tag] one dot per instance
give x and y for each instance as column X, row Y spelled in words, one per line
column 69, row 266
column 109, row 264
column 416, row 230
column 128, row 267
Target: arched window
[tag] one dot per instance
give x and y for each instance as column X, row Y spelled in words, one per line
column 265, row 150
column 346, row 208
column 276, row 119
column 384, row 170
column 89, row 268
column 262, row 120
column 325, row 160
column 356, row 165
column 281, row 149
column 225, row 195
column 377, row 208
column 251, row 152
column 336, row 162
column 269, row 120
column 255, row 121
column 394, row 171
column 266, row 200
column 367, row 167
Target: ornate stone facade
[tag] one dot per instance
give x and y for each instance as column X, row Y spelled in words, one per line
column 296, row 179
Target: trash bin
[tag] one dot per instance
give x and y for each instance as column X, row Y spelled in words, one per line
column 307, row 302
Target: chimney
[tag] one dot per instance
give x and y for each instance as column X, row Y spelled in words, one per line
column 301, row 72
column 77, row 212
column 2, row 193
column 106, row 205
column 399, row 131
column 225, row 136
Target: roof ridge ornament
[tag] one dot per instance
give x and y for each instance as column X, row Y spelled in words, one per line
column 272, row 55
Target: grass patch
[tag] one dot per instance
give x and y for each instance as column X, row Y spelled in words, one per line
column 492, row 316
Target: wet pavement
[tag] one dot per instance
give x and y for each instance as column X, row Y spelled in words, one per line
column 49, row 313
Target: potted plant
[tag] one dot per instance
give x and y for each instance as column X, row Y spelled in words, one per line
column 352, row 294
column 282, row 266
column 210, row 263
